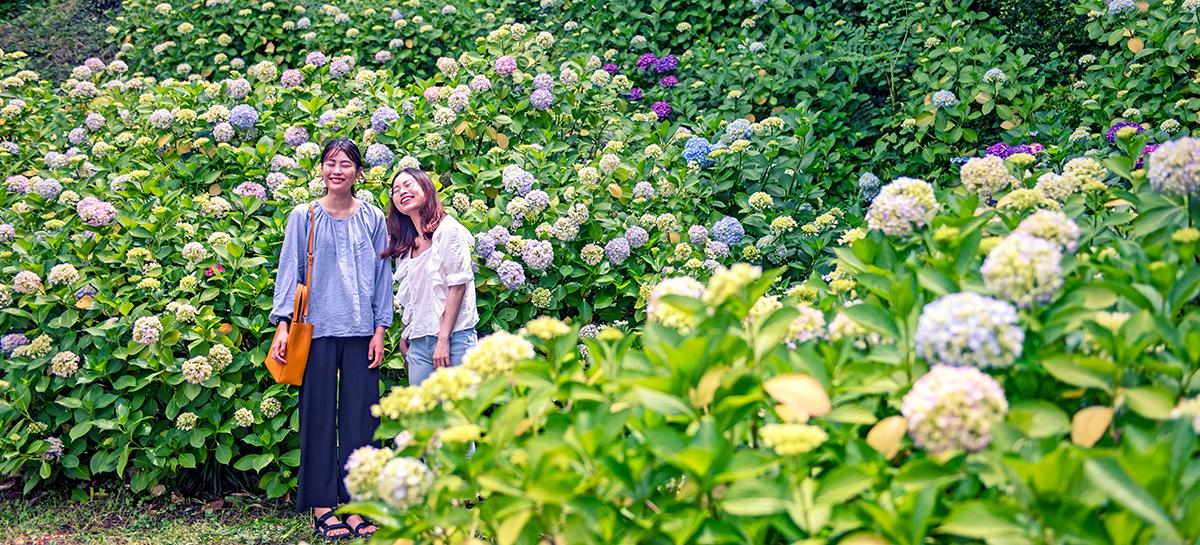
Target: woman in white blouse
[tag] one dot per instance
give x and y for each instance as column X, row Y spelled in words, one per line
column 435, row 282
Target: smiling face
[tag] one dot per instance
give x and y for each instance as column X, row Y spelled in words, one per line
column 407, row 195
column 339, row 172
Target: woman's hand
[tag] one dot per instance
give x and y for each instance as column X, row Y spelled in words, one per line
column 441, row 353
column 375, row 350
column 279, row 347
column 404, row 347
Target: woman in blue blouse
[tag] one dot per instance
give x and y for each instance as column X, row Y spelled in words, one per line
column 350, row 309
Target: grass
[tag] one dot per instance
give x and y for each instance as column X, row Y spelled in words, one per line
column 115, row 516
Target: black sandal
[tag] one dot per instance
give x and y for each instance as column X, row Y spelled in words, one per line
column 321, row 528
column 365, row 522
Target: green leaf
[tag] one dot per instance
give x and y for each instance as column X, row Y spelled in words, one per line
column 1082, row 371
column 661, row 402
column 511, row 528
column 754, row 498
column 1106, row 474
column 986, row 520
column 1038, row 419
column 874, row 318
column 842, row 484
column 1153, row 402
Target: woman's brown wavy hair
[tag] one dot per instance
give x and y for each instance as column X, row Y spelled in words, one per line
column 402, row 234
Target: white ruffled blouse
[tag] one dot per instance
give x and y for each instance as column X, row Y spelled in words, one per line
column 423, row 282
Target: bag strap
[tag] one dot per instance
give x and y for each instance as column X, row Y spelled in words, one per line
column 312, row 225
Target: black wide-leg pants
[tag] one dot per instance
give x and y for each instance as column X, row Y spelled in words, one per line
column 335, row 417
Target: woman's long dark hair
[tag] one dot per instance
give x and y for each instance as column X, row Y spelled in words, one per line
column 402, row 235
column 348, row 147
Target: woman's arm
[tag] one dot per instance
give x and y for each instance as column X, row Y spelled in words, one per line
column 456, row 270
column 382, row 305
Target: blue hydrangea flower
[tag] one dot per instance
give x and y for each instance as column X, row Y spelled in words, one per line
column 868, row 184
column 738, row 128
column 243, row 117
column 383, row 117
column 617, row 250
column 637, row 236
column 378, row 154
column 485, row 244
column 541, row 99
column 697, row 149
column 943, row 99
column 697, row 234
column 511, row 274
column 728, row 230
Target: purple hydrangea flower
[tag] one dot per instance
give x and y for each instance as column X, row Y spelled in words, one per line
column 11, row 341
column 383, row 118
column 541, row 99
column 506, row 65
column 611, row 68
column 537, row 254
column 637, row 236
column 617, row 250
column 77, row 136
column 999, row 149
column 251, row 189
column 666, row 64
column 339, row 68
column 646, row 61
column 485, row 244
column 728, row 230
column 500, row 233
column 86, row 291
column 697, row 234
column 7, row 232
column 378, row 154
column 1145, row 152
column 316, row 58
column 296, row 135
column 511, row 274
column 716, row 248
column 668, row 81
column 661, row 109
column 634, row 94
column 291, row 78
column 1112, row 131
column 543, row 81
column 243, row 117
column 48, row 188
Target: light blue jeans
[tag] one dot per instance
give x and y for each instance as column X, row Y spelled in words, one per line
column 420, row 353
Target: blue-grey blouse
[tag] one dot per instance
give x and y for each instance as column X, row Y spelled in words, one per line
column 351, row 285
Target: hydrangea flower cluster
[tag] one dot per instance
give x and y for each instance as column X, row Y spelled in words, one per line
column 662, row 312
column 362, row 471
column 697, row 150
column 969, row 329
column 497, row 354
column 728, row 230
column 404, row 483
column 792, row 439
column 953, row 408
column 64, row 364
column 1023, row 269
column 146, row 330
column 1174, row 167
column 986, row 176
column 1054, row 226
column 902, row 206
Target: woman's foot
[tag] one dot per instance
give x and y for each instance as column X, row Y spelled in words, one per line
column 326, row 525
column 362, row 527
